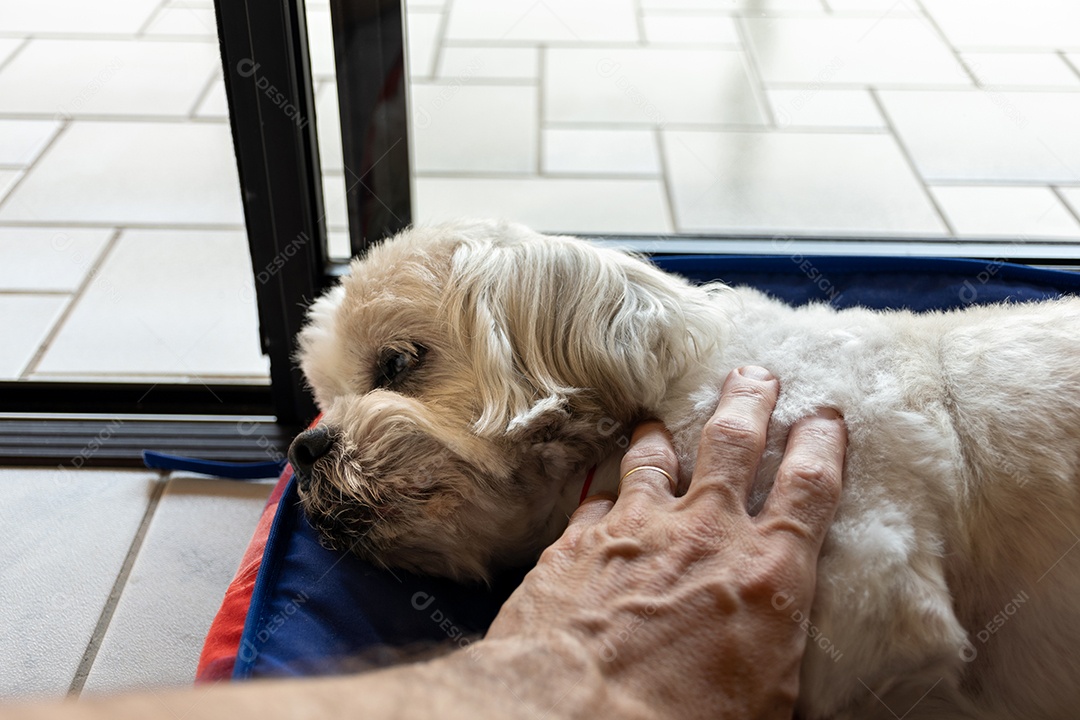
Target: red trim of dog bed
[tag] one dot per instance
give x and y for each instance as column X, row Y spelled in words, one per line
column 223, row 638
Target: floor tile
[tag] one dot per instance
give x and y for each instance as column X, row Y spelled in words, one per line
column 474, row 128
column 22, row 140
column 998, row 24
column 635, row 86
column 1002, row 136
column 812, row 107
column 600, row 151
column 73, row 78
column 50, row 259
column 76, row 16
column 131, row 172
column 1073, row 61
column 66, row 535
column 864, row 50
column 337, row 243
column 1024, row 212
column 165, row 303
column 1030, row 70
column 8, row 178
column 683, row 28
column 794, row 182
column 7, row 47
column 1072, row 197
column 25, row 322
column 464, row 63
column 335, row 204
column 732, row 5
column 892, row 7
column 184, row 21
column 189, row 555
column 547, row 21
column 321, row 42
column 215, row 104
column 554, row 205
column 328, row 126
column 422, row 33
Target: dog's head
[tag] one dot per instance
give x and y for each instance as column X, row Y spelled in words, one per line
column 466, row 372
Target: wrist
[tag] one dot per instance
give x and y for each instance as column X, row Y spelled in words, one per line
column 554, row 675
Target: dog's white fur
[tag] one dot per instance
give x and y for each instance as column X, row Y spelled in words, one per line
column 961, row 498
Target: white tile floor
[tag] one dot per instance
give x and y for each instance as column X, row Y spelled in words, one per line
column 114, row 583
column 121, row 233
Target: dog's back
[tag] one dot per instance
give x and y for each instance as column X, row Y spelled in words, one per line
column 949, row 572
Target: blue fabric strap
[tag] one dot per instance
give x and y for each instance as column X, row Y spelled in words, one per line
column 227, row 470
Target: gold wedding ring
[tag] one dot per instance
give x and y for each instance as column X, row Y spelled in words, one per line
column 671, row 481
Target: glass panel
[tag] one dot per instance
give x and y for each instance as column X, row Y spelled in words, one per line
column 358, row 65
column 938, row 119
column 123, row 255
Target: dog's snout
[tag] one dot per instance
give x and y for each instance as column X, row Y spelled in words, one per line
column 308, row 447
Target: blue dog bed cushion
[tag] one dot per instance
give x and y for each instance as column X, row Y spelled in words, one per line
column 318, row 611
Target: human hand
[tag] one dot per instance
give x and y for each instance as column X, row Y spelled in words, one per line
column 673, row 599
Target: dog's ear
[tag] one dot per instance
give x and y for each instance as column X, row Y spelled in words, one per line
column 551, row 435
column 544, row 419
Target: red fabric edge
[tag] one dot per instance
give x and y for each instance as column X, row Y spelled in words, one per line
column 223, row 638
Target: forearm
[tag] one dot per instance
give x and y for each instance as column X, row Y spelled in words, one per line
column 490, row 679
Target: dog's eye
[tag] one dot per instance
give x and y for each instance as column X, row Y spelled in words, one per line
column 395, row 364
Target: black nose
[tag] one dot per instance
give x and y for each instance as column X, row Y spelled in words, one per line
column 308, row 447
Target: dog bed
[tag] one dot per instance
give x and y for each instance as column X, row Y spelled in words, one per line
column 296, row 608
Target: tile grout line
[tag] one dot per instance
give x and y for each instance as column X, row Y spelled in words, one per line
column 665, row 179
column 15, row 53
column 1068, row 63
column 204, row 93
column 33, row 164
column 106, row 225
column 128, row 37
column 911, row 162
column 76, row 296
column 1074, row 212
column 945, row 39
column 82, row 672
column 140, row 34
column 541, row 62
column 35, row 291
column 756, row 81
column 440, row 37
column 639, row 15
column 127, row 117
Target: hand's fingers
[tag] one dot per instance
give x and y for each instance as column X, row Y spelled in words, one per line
column 733, row 440
column 593, row 509
column 807, row 488
column 649, row 467
column 589, row 513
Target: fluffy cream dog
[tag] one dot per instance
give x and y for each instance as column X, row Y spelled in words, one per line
column 470, row 373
